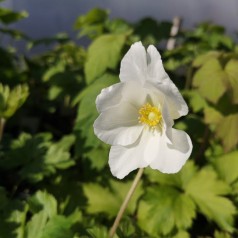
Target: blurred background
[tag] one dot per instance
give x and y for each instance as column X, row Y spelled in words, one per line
column 47, row 18
column 55, row 58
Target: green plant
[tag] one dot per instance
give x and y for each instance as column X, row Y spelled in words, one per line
column 54, row 177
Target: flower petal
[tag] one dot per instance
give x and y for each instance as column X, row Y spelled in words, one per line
column 123, row 160
column 156, row 70
column 112, row 96
column 109, row 97
column 134, row 65
column 158, row 76
column 118, row 125
column 167, row 157
column 177, row 106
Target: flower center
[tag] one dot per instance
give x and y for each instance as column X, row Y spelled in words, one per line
column 150, row 116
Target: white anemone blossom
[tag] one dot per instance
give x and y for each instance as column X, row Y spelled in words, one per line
column 137, row 115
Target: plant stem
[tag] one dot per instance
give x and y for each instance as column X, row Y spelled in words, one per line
column 2, row 124
column 125, row 202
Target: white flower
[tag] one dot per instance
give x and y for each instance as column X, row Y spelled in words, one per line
column 137, row 115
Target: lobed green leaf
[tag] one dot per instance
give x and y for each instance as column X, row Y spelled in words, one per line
column 109, row 48
column 210, row 74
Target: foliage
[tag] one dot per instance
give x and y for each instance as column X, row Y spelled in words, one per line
column 54, row 177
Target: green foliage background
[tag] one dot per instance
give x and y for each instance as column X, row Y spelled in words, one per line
column 54, row 176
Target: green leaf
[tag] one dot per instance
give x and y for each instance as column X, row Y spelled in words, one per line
column 98, row 156
column 55, row 157
column 87, row 112
column 226, row 166
column 37, row 156
column 214, row 150
column 7, row 16
column 58, row 227
column 94, row 16
column 206, row 191
column 104, row 53
column 210, row 74
column 126, row 228
column 43, row 201
column 36, row 225
column 150, row 31
column 231, row 69
column 178, row 180
column 24, row 149
column 196, row 102
column 92, row 31
column 164, row 208
column 220, row 234
column 106, row 202
column 167, row 200
column 59, row 67
column 193, row 125
column 118, row 26
column 179, row 57
column 58, row 155
column 202, row 59
column 11, row 100
column 44, row 207
column 76, row 216
column 182, row 234
column 202, row 187
column 12, row 218
column 64, row 85
column 184, row 211
column 19, row 216
column 92, row 24
column 98, row 232
column 227, row 131
column 16, row 34
column 212, row 116
column 58, row 38
column 109, row 201
column 235, row 191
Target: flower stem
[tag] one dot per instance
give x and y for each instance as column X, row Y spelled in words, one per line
column 125, row 202
column 2, row 124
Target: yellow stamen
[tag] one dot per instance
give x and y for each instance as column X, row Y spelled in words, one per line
column 151, row 116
